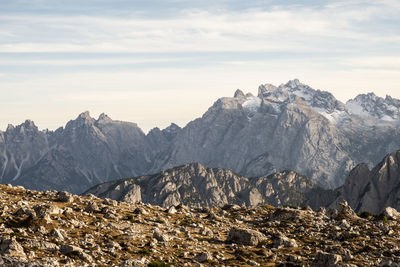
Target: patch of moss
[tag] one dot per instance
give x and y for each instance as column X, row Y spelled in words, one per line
column 144, row 252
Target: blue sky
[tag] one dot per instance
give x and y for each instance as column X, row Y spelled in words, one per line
column 156, row 62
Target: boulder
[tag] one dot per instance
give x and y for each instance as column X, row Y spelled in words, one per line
column 391, row 213
column 245, row 237
column 326, row 260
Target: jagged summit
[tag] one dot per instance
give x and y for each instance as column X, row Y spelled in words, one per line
column 323, row 102
column 372, row 106
column 290, row 126
column 195, row 184
column 85, row 115
column 104, row 118
column 239, row 94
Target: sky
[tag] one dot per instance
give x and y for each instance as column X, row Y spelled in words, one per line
column 154, row 62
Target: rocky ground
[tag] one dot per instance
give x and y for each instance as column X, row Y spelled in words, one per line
column 58, row 229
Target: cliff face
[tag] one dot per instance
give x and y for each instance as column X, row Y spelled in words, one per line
column 373, row 190
column 195, row 185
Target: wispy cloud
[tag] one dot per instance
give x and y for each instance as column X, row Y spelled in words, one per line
column 275, row 29
column 156, row 61
column 381, row 62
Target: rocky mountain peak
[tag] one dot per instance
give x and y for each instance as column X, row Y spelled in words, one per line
column 29, row 124
column 10, row 128
column 24, row 128
column 266, row 90
column 85, row 116
column 239, row 94
column 103, row 118
column 82, row 119
column 295, row 83
column 373, row 190
column 172, row 128
column 321, row 101
column 373, row 106
column 171, row 131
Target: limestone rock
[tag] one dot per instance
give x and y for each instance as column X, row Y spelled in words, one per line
column 11, row 248
column 245, row 237
column 391, row 213
column 64, row 196
column 326, row 259
column 203, row 257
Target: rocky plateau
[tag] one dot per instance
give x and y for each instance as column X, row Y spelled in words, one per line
column 55, row 228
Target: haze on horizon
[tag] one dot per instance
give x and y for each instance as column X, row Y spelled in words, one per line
column 155, row 62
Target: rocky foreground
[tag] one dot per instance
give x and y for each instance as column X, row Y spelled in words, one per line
column 58, row 229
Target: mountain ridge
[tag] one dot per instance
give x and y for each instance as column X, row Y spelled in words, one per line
column 196, row 185
column 291, row 127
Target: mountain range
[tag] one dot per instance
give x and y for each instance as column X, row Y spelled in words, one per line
column 286, row 127
column 196, row 185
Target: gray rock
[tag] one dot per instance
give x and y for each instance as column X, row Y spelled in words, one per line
column 245, row 237
column 92, row 207
column 143, row 262
column 203, row 257
column 391, row 213
column 388, row 263
column 284, row 242
column 64, row 196
column 372, row 190
column 70, row 249
column 11, row 248
column 326, row 259
column 160, row 236
column 206, row 231
column 57, row 233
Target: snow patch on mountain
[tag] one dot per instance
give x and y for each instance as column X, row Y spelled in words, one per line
column 322, row 102
column 372, row 106
column 354, row 107
column 334, row 117
column 252, row 104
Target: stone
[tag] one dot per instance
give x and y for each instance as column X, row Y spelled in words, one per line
column 160, row 236
column 11, row 248
column 171, row 210
column 92, row 207
column 253, row 263
column 203, row 257
column 140, row 210
column 388, row 263
column 283, row 241
column 64, row 196
column 345, row 211
column 326, row 260
column 206, row 231
column 391, row 213
column 70, row 249
column 57, row 233
column 143, row 262
column 43, row 211
column 245, row 237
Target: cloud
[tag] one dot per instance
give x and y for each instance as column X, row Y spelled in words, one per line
column 86, row 61
column 278, row 28
column 377, row 62
column 171, row 67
